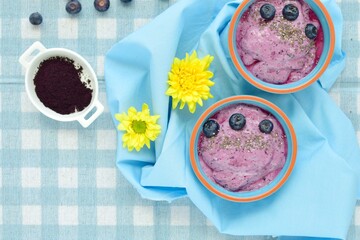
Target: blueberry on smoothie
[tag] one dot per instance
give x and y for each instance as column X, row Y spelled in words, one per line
column 237, row 121
column 267, row 11
column 266, row 126
column 211, row 128
column 290, row 12
column 311, row 31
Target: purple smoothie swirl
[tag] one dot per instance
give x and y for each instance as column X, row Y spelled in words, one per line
column 243, row 153
column 279, row 41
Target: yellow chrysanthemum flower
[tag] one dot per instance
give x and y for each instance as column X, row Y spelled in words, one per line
column 189, row 81
column 140, row 127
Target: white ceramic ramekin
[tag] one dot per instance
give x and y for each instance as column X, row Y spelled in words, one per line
column 31, row 60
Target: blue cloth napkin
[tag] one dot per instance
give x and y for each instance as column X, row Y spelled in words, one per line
column 319, row 198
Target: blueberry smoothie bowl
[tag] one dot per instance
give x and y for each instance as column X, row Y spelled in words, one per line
column 281, row 46
column 243, row 148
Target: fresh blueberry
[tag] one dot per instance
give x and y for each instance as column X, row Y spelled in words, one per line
column 290, row 12
column 266, row 126
column 211, row 128
column 237, row 121
column 267, row 11
column 102, row 5
column 126, row 1
column 73, row 7
column 311, row 31
column 35, row 18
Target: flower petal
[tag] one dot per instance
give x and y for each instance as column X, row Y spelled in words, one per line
column 132, row 140
column 189, row 81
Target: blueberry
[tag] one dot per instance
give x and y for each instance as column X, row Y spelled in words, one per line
column 211, row 128
column 126, row 1
column 290, row 12
column 35, row 18
column 102, row 5
column 311, row 31
column 73, row 7
column 267, row 11
column 237, row 121
column 266, row 126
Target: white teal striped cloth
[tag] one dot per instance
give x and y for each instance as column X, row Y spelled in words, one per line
column 59, row 180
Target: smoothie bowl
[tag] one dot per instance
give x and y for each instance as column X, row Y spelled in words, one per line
column 281, row 46
column 243, row 148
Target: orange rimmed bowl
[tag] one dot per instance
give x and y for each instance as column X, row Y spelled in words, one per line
column 252, row 195
column 328, row 49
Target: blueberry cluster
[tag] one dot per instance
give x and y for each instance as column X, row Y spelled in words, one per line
column 237, row 122
column 290, row 12
column 74, row 7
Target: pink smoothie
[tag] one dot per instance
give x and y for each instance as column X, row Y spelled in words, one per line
column 246, row 159
column 278, row 51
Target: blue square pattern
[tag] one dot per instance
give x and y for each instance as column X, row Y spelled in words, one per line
column 81, row 204
column 31, row 232
column 12, row 232
column 10, row 197
column 49, row 216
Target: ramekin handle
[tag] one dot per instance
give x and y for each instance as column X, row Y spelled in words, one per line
column 99, row 109
column 28, row 55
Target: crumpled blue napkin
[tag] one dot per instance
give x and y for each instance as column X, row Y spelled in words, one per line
column 319, row 198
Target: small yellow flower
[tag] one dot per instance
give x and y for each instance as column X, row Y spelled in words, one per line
column 189, row 81
column 140, row 127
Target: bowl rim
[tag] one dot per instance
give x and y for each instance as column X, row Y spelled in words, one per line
column 238, row 99
column 272, row 87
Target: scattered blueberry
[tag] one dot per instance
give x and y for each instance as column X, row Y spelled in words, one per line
column 311, row 31
column 211, row 128
column 35, row 18
column 290, row 12
column 102, row 5
column 266, row 126
column 267, row 11
column 126, row 1
column 237, row 121
column 73, row 7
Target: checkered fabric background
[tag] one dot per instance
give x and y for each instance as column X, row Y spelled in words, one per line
column 59, row 180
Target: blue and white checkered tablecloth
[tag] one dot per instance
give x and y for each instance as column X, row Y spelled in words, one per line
column 59, row 180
